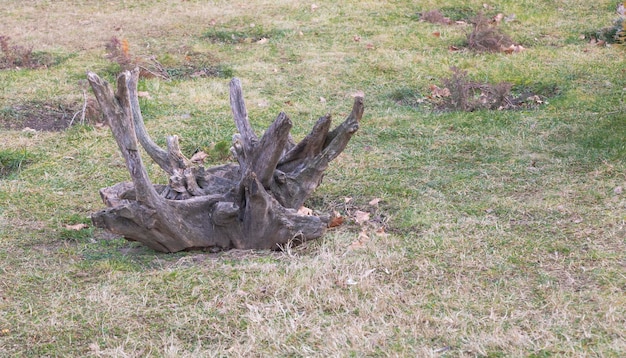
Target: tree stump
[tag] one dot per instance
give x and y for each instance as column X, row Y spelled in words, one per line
column 251, row 204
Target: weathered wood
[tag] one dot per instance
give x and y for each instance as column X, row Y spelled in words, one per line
column 249, row 205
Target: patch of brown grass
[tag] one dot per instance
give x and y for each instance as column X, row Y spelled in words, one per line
column 17, row 56
column 435, row 17
column 49, row 116
column 487, row 37
column 459, row 93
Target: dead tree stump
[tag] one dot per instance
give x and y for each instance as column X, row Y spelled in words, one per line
column 252, row 204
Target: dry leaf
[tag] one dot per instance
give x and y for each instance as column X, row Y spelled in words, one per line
column 361, row 216
column 262, row 41
column 618, row 190
column 199, row 157
column 322, row 100
column 305, row 211
column 336, row 221
column 76, row 227
column 453, row 48
column 361, row 240
column 356, row 38
column 498, row 18
column 375, row 201
column 144, row 94
column 514, row 49
column 351, row 281
column 370, row 46
column 437, row 34
column 314, row 7
column 347, row 199
column 437, row 92
column 381, row 232
column 367, row 273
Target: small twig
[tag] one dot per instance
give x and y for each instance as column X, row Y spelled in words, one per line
column 82, row 116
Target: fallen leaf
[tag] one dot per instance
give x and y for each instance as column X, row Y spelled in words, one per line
column 618, row 190
column 375, row 201
column 437, row 34
column 513, row 49
column 453, row 48
column 314, row 7
column 198, row 157
column 212, row 22
column 305, row 211
column 498, row 18
column 356, row 38
column 368, row 272
column 381, row 232
column 437, row 92
column 76, row 227
column 370, row 46
column 347, row 199
column 322, row 100
column 198, row 74
column 361, row 216
column 509, row 18
column 361, row 240
column 144, row 94
column 262, row 41
column 336, row 221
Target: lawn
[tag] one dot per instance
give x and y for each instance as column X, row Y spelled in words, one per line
column 491, row 232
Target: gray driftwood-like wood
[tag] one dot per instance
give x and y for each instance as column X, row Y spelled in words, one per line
column 252, row 204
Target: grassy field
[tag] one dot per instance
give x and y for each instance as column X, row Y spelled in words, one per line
column 497, row 233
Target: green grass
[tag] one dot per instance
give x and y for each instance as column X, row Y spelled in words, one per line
column 504, row 231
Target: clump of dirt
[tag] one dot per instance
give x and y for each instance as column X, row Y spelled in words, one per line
column 48, row 116
column 487, row 37
column 171, row 65
column 459, row 93
column 17, row 56
column 486, row 34
column 462, row 94
column 435, row 17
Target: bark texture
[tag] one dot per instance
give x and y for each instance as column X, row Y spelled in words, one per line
column 251, row 204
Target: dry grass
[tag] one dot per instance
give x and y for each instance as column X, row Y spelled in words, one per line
column 504, row 231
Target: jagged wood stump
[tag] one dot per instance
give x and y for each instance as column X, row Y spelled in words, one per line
column 250, row 205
